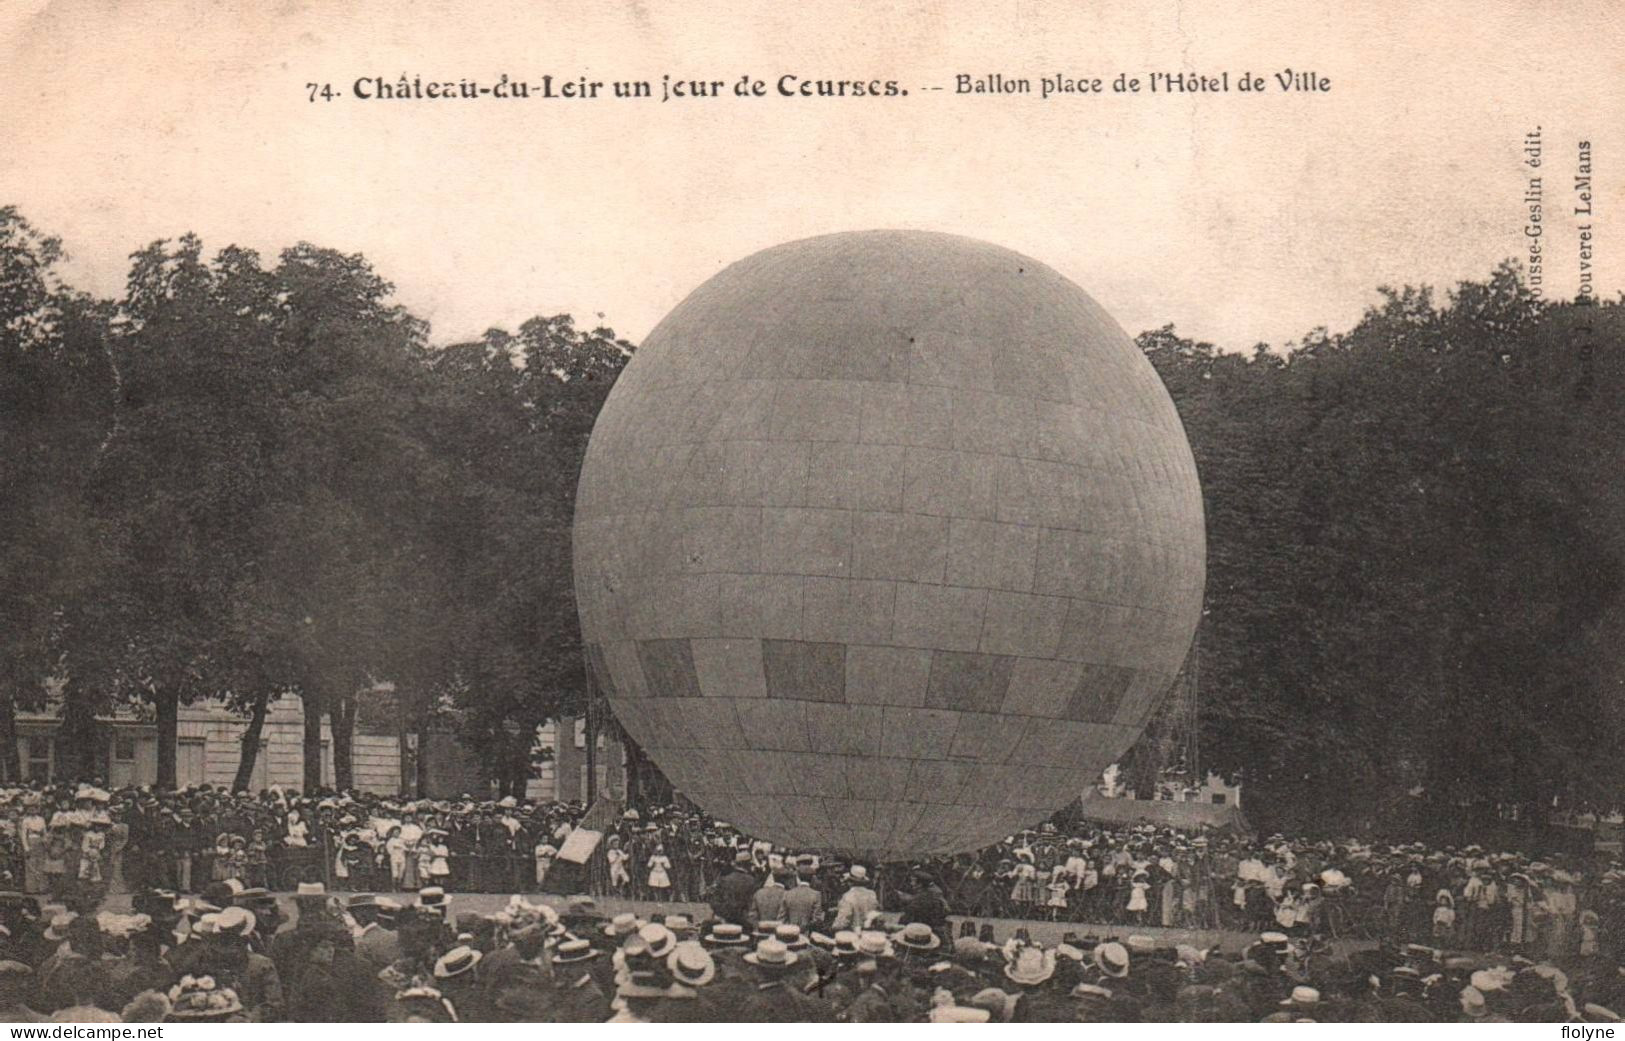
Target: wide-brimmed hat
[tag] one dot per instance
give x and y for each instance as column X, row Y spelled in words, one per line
column 456, row 961
column 790, row 935
column 1030, row 966
column 1111, row 959
column 691, row 964
column 857, row 873
column 198, row 997
column 771, row 954
column 872, row 943
column 999, row 1005
column 573, row 950
column 624, row 924
column 845, row 944
column 361, row 900
column 310, row 889
column 433, row 897
column 659, row 939
column 238, row 920
column 58, row 929
column 1302, row 995
column 767, row 926
column 959, row 1014
column 726, row 934
column 919, row 936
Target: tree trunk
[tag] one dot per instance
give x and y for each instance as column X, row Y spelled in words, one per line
column 251, row 744
column 420, row 787
column 313, row 744
column 76, row 739
column 341, row 716
column 407, row 756
column 11, row 765
column 168, row 708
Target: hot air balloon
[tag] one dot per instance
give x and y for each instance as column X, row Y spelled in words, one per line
column 887, row 542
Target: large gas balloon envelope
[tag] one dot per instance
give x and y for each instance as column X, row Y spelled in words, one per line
column 887, row 543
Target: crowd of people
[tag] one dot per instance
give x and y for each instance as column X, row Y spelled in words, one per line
column 1344, row 929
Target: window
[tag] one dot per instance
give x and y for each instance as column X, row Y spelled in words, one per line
column 124, row 749
column 581, row 732
column 1218, row 798
column 39, row 758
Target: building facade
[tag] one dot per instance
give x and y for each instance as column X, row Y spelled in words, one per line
column 209, row 748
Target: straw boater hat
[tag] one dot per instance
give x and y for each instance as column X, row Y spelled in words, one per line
column 958, row 1014
column 659, row 939
column 58, row 929
column 1302, row 997
column 309, row 889
column 624, row 924
column 726, row 934
column 455, row 962
column 433, row 897
column 767, row 926
column 573, row 950
column 872, row 943
column 1112, row 959
column 771, row 954
column 845, row 943
column 691, row 964
column 239, row 920
column 790, row 936
column 918, row 936
column 857, row 873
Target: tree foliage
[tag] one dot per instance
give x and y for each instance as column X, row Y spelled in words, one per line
column 1414, row 561
column 247, row 480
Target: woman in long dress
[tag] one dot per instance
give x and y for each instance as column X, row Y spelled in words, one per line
column 1026, row 889
column 411, row 873
column 36, row 846
column 395, row 848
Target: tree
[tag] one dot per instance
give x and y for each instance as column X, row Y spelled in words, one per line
column 1410, row 566
column 55, row 413
column 512, row 413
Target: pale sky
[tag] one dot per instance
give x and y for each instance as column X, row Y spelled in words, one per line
column 1237, row 217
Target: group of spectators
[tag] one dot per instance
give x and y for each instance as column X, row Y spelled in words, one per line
column 228, row 955
column 1345, row 929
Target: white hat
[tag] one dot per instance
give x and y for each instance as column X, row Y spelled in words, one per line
column 858, row 873
column 239, row 920
column 1031, row 966
column 660, row 939
column 456, row 961
column 311, row 889
column 959, row 1014
column 772, row 954
column 691, row 964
